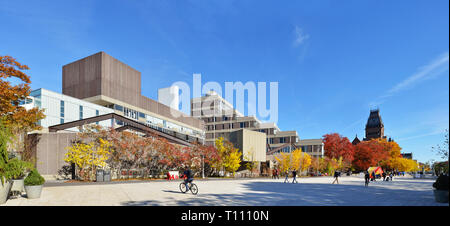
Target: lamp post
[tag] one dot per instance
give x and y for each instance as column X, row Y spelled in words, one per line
column 203, row 166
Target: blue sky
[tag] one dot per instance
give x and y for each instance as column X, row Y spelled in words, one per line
column 333, row 60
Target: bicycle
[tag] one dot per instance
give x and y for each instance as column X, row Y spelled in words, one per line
column 192, row 187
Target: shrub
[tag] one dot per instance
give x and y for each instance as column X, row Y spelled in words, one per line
column 441, row 183
column 4, row 139
column 34, row 178
column 17, row 168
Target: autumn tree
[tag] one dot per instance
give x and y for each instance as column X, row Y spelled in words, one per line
column 230, row 157
column 369, row 153
column 295, row 160
column 88, row 157
column 337, row 146
column 284, row 161
column 14, row 88
column 393, row 151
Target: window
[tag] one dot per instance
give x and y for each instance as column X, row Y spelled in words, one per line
column 242, row 124
column 141, row 115
column 61, row 109
column 130, row 113
column 282, row 140
column 81, row 112
column 96, row 114
column 271, row 141
column 61, row 120
column 118, row 107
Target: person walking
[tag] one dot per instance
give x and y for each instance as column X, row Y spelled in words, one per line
column 287, row 177
column 384, row 176
column 373, row 176
column 391, row 175
column 277, row 174
column 294, row 174
column 336, row 176
column 366, row 178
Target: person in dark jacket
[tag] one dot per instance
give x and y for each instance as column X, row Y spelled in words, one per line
column 188, row 177
column 337, row 174
column 366, row 178
column 384, row 176
column 294, row 174
column 373, row 176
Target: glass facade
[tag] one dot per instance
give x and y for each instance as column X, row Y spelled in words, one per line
column 81, row 112
column 61, row 114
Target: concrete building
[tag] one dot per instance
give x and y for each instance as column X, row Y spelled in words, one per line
column 221, row 119
column 100, row 89
column 313, row 147
column 104, row 80
column 251, row 143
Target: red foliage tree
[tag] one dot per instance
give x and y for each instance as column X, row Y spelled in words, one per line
column 369, row 153
column 337, row 146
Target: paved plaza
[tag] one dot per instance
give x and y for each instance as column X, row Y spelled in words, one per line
column 314, row 191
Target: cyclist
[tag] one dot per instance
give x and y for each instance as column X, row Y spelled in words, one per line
column 188, row 177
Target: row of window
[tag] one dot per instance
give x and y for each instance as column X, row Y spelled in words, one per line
column 81, row 115
column 133, row 114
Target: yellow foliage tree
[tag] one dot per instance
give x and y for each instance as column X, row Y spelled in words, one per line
column 407, row 165
column 88, row 157
column 284, row 161
column 305, row 161
column 230, row 157
column 296, row 160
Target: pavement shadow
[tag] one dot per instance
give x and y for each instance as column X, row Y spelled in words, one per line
column 277, row 193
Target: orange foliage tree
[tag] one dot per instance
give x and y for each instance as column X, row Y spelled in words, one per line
column 16, row 118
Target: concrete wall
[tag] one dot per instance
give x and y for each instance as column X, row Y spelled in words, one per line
column 50, row 150
column 251, row 143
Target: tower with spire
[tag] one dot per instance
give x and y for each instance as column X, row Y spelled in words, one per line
column 374, row 125
column 356, row 140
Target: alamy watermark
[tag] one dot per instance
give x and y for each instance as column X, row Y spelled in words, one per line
column 205, row 102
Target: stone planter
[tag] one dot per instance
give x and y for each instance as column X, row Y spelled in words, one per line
column 5, row 188
column 441, row 196
column 33, row 192
column 17, row 185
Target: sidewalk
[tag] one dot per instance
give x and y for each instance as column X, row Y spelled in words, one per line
column 313, row 191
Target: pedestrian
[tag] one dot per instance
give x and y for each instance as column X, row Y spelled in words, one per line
column 366, row 178
column 287, row 177
column 277, row 174
column 273, row 173
column 373, row 176
column 384, row 176
column 390, row 176
column 336, row 176
column 294, row 174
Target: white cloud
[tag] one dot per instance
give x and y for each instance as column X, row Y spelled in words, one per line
column 300, row 36
column 432, row 69
column 437, row 66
